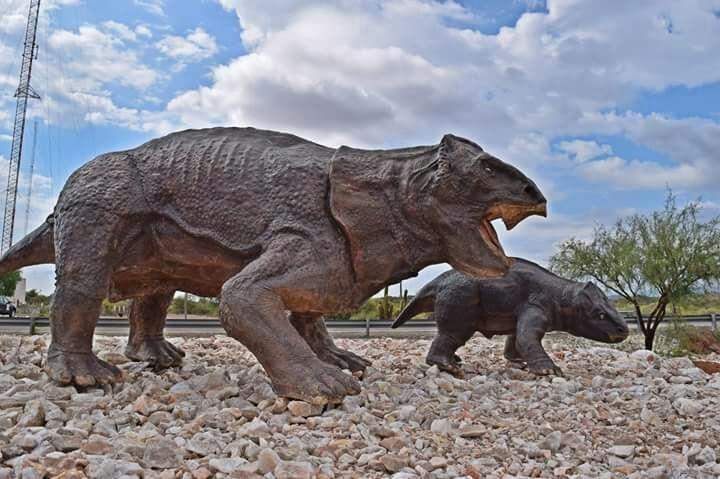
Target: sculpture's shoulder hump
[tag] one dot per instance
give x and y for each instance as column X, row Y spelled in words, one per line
column 362, row 183
column 358, row 165
column 527, row 267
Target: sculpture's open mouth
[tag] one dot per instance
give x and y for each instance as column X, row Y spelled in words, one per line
column 489, row 235
column 511, row 216
column 617, row 338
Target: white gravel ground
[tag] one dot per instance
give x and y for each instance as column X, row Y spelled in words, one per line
column 615, row 414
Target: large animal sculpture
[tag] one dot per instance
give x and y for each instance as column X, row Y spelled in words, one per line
column 526, row 303
column 271, row 223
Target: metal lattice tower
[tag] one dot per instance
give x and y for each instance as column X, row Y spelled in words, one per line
column 30, row 177
column 23, row 94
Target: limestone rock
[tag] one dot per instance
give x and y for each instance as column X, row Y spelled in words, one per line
column 294, row 470
column 616, row 413
column 267, row 460
column 162, row 453
column 623, row 451
column 304, row 409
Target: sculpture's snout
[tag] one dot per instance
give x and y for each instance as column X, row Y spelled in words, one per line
column 620, row 331
column 535, row 196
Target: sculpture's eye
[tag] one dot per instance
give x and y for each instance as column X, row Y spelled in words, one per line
column 489, row 170
column 602, row 316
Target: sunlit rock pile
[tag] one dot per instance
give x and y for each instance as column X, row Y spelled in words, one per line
column 616, row 414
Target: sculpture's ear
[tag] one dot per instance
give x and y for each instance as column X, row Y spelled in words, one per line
column 587, row 292
column 445, row 153
column 438, row 166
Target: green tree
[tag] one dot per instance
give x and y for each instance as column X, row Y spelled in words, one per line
column 35, row 297
column 670, row 255
column 8, row 282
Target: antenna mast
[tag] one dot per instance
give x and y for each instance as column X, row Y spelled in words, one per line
column 23, row 94
column 30, row 179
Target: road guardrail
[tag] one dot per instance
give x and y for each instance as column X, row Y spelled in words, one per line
column 33, row 324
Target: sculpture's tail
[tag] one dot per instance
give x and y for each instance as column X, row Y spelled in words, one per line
column 423, row 302
column 36, row 248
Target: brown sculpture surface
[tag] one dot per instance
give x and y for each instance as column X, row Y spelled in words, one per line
column 271, row 223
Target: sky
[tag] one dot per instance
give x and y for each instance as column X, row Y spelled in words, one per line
column 604, row 104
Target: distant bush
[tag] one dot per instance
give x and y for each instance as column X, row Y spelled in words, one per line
column 195, row 305
column 693, row 304
column 684, row 339
column 118, row 308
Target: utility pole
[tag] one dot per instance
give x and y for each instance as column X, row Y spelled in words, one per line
column 30, row 179
column 23, row 94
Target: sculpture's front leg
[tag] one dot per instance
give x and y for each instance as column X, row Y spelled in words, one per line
column 531, row 327
column 312, row 328
column 253, row 310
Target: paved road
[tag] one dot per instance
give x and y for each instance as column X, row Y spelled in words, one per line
column 421, row 329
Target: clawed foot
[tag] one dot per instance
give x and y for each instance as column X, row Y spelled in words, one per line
column 545, row 369
column 449, row 365
column 159, row 352
column 82, row 369
column 343, row 359
column 516, row 362
column 315, row 382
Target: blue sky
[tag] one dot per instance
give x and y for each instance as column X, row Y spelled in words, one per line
column 604, row 104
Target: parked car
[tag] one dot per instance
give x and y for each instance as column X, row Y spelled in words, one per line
column 7, row 307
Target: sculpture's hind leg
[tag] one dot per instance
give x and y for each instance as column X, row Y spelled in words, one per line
column 70, row 359
column 147, row 341
column 312, row 328
column 511, row 353
column 442, row 350
column 456, row 325
column 84, row 243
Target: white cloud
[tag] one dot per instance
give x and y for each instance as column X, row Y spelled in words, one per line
column 376, row 72
column 690, row 144
column 156, row 7
column 258, row 17
column 143, row 31
column 636, row 174
column 95, row 57
column 583, row 150
column 710, row 205
column 121, row 30
column 532, row 4
column 196, row 46
column 79, row 71
column 6, row 137
column 13, row 18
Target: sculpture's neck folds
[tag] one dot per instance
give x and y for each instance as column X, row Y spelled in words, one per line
column 555, row 296
column 381, row 218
